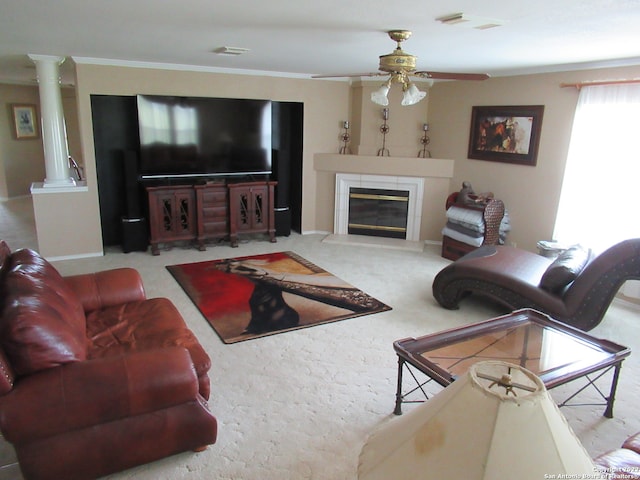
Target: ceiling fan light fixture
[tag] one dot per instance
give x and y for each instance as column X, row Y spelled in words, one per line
column 412, row 95
column 380, row 95
column 398, row 67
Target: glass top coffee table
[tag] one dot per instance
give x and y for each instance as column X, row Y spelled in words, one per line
column 556, row 352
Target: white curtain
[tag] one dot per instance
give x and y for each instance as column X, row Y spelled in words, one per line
column 600, row 192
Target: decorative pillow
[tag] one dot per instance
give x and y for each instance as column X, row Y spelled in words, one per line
column 565, row 269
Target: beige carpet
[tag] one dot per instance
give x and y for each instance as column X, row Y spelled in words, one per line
column 300, row 405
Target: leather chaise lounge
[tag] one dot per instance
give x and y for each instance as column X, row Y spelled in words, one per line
column 95, row 378
column 574, row 288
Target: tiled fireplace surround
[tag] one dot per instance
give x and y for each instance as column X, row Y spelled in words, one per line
column 336, row 173
column 346, row 181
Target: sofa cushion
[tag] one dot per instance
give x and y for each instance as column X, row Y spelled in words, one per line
column 139, row 326
column 564, row 269
column 43, row 323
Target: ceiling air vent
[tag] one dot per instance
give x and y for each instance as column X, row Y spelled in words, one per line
column 471, row 21
column 233, row 51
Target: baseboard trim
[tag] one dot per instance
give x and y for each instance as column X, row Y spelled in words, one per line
column 74, row 257
column 374, row 241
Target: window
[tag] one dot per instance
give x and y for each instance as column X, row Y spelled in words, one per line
column 600, row 191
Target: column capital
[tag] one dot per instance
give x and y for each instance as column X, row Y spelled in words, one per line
column 47, row 58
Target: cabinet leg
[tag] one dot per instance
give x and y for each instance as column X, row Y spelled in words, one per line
column 234, row 242
column 154, row 249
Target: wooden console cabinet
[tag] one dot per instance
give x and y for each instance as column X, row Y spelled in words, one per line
column 210, row 211
column 251, row 209
column 172, row 215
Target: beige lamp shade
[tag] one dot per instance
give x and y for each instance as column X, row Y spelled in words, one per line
column 497, row 421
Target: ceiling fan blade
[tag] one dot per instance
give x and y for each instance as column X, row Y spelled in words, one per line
column 452, row 76
column 368, row 74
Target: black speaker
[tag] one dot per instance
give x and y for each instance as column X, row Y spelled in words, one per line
column 131, row 184
column 283, row 221
column 135, row 237
column 115, row 130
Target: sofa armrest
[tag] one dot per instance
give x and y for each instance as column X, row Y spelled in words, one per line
column 619, row 464
column 632, row 443
column 92, row 392
column 107, row 288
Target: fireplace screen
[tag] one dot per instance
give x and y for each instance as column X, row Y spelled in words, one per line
column 378, row 212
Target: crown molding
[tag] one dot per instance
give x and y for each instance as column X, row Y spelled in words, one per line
column 182, row 67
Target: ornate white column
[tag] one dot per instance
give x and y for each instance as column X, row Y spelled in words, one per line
column 54, row 135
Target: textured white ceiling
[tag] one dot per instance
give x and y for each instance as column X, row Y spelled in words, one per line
column 304, row 37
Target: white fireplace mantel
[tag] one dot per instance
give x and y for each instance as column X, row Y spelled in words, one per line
column 373, row 165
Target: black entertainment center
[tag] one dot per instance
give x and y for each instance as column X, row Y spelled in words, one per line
column 150, row 140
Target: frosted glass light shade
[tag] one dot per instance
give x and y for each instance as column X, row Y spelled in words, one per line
column 412, row 95
column 476, row 430
column 380, row 95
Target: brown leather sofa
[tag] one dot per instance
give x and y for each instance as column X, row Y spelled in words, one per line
column 96, row 378
column 574, row 288
column 622, row 463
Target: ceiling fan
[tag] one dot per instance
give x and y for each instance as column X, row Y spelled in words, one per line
column 399, row 66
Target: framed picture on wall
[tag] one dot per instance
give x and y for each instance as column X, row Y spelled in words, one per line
column 25, row 121
column 506, row 134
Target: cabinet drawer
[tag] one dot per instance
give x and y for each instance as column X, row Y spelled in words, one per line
column 214, row 196
column 214, row 212
column 213, row 228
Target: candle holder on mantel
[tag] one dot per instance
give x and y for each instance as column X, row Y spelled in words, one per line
column 345, row 137
column 384, row 129
column 424, row 140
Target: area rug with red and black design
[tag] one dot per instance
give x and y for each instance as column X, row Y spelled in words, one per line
column 254, row 296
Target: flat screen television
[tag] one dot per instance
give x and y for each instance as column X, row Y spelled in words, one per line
column 203, row 137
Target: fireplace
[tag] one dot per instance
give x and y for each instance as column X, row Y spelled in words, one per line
column 378, row 212
column 378, row 205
